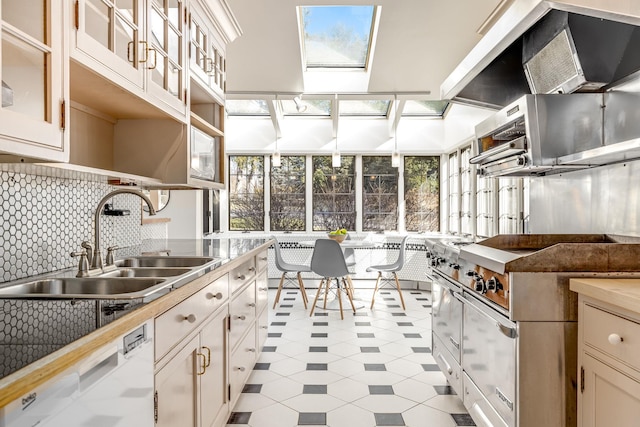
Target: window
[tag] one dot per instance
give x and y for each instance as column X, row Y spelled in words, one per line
column 466, row 182
column 371, row 107
column 422, row 193
column 379, row 194
column 307, row 107
column 247, row 107
column 337, row 36
column 425, row 108
column 334, row 194
column 288, row 194
column 246, row 193
column 485, row 206
column 454, row 193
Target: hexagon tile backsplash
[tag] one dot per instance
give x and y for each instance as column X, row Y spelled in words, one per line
column 43, row 219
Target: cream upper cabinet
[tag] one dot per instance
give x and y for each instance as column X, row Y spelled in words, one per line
column 139, row 45
column 34, row 79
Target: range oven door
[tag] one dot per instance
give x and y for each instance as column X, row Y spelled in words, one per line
column 489, row 356
column 447, row 313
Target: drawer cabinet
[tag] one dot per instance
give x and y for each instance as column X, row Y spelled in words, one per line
column 262, row 326
column 242, row 311
column 240, row 365
column 185, row 317
column 242, row 274
column 448, row 365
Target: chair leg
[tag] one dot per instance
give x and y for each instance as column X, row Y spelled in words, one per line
column 315, row 300
column 339, row 297
column 326, row 292
column 353, row 307
column 373, row 297
column 305, row 300
column 279, row 290
column 350, row 287
column 395, row 276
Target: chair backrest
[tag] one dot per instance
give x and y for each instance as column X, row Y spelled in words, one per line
column 328, row 260
column 403, row 246
column 278, row 259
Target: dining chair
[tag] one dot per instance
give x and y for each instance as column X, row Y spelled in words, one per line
column 287, row 268
column 328, row 262
column 390, row 268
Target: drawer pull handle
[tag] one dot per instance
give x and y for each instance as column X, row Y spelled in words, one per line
column 239, row 368
column 251, row 350
column 263, row 289
column 216, row 296
column 449, row 369
column 243, row 317
column 190, row 318
column 252, row 304
column 208, row 356
column 615, row 339
column 203, row 364
column 240, row 277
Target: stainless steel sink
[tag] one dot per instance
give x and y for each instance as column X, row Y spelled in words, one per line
column 147, row 272
column 163, row 261
column 86, row 287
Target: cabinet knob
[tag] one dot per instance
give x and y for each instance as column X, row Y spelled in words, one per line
column 264, row 258
column 251, row 350
column 252, row 304
column 240, row 277
column 243, row 317
column 252, row 269
column 264, row 327
column 216, row 296
column 615, row 339
column 263, row 289
column 239, row 368
column 190, row 318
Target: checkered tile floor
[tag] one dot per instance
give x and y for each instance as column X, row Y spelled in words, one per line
column 371, row 369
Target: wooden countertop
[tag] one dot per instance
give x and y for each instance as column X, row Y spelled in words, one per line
column 37, row 373
column 624, row 293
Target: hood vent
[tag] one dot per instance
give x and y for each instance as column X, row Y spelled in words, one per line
column 566, row 52
column 561, row 53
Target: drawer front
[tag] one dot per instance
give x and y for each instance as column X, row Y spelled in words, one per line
column 241, row 363
column 242, row 274
column 448, row 365
column 262, row 291
column 242, row 310
column 602, row 329
column 262, row 327
column 482, row 412
column 262, row 261
column 177, row 322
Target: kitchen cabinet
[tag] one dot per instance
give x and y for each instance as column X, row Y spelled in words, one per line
column 136, row 45
column 609, row 368
column 34, row 109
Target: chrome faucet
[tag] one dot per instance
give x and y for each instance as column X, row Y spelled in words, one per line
column 96, row 261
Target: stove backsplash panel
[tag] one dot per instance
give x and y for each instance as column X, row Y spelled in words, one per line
column 43, row 219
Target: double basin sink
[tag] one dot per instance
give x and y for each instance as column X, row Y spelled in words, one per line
column 134, row 277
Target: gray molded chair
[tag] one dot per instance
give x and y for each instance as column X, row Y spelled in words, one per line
column 328, row 262
column 287, row 268
column 390, row 268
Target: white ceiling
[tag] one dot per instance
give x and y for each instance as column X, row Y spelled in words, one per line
column 419, row 43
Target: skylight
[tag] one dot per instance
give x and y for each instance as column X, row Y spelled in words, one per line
column 309, row 107
column 370, row 107
column 425, row 108
column 337, row 36
column 247, row 107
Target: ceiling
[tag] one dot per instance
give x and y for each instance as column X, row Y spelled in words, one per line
column 419, row 43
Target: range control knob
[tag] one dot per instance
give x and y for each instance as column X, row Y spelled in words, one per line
column 471, row 273
column 454, row 266
column 480, row 285
column 494, row 285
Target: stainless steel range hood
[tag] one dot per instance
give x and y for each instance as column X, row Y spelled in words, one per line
column 539, row 46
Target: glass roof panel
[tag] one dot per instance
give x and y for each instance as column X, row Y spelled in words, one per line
column 246, row 107
column 425, row 108
column 310, row 107
column 372, row 107
column 337, row 36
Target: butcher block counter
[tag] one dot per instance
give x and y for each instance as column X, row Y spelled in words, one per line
column 229, row 253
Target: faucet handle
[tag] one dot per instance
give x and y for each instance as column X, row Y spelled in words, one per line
column 83, row 263
column 110, row 251
column 88, row 247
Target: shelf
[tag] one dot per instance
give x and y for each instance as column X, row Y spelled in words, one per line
column 205, row 126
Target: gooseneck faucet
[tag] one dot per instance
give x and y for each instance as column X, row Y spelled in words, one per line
column 96, row 261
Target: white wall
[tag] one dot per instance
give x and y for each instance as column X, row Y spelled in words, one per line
column 185, row 211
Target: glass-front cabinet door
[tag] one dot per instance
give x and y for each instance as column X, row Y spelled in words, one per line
column 207, row 61
column 167, row 57
column 34, row 83
column 110, row 32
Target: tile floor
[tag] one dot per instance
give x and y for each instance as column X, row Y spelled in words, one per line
column 371, row 369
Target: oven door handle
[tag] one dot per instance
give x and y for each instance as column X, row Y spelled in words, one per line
column 507, row 331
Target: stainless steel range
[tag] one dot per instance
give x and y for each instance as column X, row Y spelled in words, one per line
column 505, row 322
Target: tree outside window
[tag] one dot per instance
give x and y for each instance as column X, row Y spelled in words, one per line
column 288, row 194
column 379, row 194
column 422, row 193
column 246, row 193
column 334, row 194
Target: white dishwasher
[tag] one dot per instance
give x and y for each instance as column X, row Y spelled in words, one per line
column 111, row 388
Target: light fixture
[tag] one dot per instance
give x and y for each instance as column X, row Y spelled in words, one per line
column 300, row 107
column 395, row 155
column 335, row 156
column 276, row 161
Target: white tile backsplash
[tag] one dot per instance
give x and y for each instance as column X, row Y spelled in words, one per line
column 43, row 219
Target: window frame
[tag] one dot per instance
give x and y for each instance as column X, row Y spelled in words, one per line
column 377, row 176
column 230, row 199
column 286, row 163
column 352, row 193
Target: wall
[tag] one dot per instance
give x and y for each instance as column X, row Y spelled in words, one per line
column 43, row 219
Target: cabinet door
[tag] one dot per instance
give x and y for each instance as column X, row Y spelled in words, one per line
column 200, row 64
column 176, row 388
column 111, row 33
column 213, row 383
column 609, row 397
column 34, row 80
column 166, row 41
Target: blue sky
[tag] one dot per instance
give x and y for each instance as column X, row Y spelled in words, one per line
column 323, row 17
